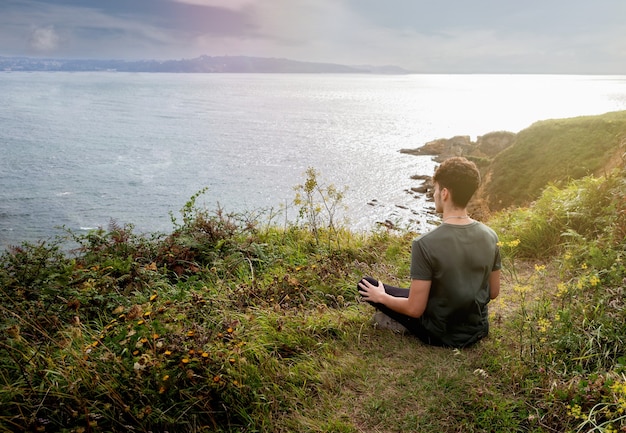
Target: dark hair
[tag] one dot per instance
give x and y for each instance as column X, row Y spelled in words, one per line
column 460, row 176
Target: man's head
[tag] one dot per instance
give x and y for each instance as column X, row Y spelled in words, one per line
column 460, row 177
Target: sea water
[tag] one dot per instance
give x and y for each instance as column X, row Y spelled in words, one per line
column 79, row 150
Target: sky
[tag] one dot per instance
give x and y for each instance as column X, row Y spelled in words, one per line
column 424, row 36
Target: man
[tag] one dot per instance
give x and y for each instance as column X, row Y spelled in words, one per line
column 455, row 268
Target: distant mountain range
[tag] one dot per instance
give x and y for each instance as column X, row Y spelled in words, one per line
column 202, row 64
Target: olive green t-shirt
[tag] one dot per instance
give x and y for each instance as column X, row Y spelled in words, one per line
column 458, row 260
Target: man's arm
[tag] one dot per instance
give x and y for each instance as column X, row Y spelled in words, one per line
column 494, row 284
column 412, row 306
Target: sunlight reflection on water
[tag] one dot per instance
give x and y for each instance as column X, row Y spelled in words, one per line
column 80, row 149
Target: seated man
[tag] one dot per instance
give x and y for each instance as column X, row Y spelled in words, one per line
column 455, row 268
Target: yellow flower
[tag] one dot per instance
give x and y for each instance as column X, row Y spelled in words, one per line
column 561, row 289
column 544, row 325
column 168, row 352
column 575, row 411
column 521, row 289
column 539, row 268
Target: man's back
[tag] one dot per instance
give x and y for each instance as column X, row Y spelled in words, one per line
column 458, row 260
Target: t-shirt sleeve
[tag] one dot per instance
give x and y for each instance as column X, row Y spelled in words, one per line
column 497, row 263
column 421, row 268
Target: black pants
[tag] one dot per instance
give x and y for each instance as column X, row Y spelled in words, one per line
column 414, row 325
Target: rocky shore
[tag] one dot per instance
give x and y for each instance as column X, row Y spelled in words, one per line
column 481, row 151
column 485, row 147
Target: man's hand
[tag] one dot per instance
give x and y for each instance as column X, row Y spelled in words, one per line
column 370, row 292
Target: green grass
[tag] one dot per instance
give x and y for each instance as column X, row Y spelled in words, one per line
column 554, row 151
column 233, row 324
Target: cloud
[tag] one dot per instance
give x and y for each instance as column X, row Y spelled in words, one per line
column 44, row 39
column 561, row 36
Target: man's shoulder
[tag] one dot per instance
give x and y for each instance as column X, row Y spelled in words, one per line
column 445, row 230
column 431, row 234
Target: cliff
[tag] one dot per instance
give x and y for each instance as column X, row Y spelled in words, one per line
column 516, row 167
column 486, row 146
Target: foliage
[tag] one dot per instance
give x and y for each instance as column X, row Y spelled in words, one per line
column 571, row 314
column 318, row 204
column 229, row 324
column 554, row 151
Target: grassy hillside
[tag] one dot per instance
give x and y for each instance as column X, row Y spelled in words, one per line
column 234, row 324
column 553, row 151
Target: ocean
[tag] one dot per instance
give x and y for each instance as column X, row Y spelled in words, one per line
column 80, row 150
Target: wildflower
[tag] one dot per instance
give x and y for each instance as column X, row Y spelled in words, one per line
column 191, row 333
column 141, row 322
column 594, row 280
column 583, row 266
column 539, row 268
column 205, row 355
column 561, row 289
column 168, row 352
column 521, row 289
column 166, row 378
column 544, row 325
column 575, row 411
column 216, row 379
column 230, row 330
column 153, row 297
column 186, row 361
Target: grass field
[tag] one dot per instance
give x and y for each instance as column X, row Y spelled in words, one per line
column 233, row 324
